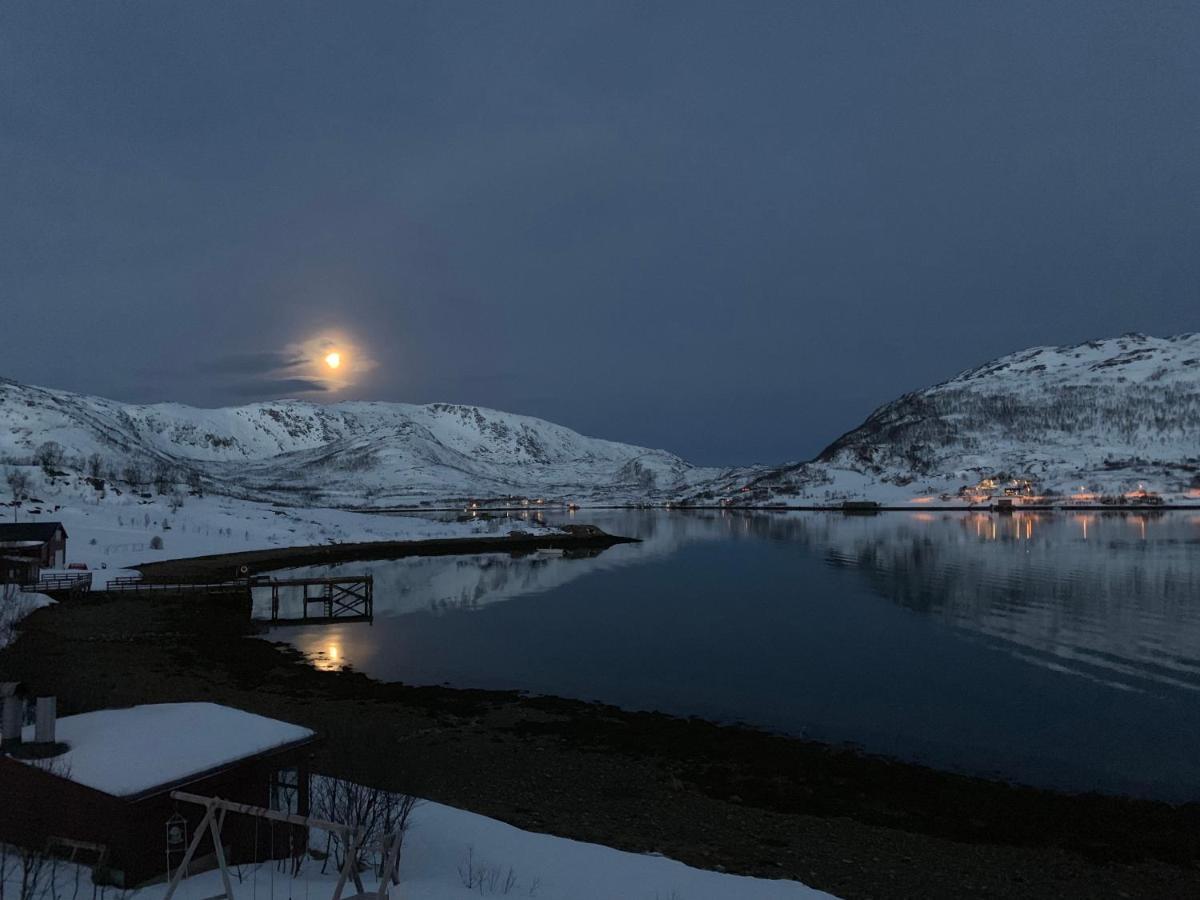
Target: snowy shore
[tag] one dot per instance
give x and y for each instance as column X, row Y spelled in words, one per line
column 452, row 854
column 118, row 532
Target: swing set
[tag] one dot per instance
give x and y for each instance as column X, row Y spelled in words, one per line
column 353, row 838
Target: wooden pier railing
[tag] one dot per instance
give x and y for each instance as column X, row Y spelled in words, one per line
column 345, row 599
column 348, row 598
column 136, row 585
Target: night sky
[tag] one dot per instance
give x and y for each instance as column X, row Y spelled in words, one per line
column 730, row 230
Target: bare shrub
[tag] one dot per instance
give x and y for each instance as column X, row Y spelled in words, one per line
column 28, row 870
column 156, row 542
column 33, row 872
column 491, row 879
column 377, row 811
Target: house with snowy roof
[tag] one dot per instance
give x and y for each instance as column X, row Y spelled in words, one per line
column 44, row 541
column 106, row 790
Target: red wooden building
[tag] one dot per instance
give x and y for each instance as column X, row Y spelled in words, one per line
column 110, row 791
column 44, row 541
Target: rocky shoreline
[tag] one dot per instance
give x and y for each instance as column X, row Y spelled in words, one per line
column 712, row 796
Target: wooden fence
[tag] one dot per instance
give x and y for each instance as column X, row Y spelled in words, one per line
column 73, row 582
column 138, row 586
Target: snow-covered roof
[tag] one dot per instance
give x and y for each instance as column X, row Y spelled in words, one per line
column 20, row 532
column 124, row 752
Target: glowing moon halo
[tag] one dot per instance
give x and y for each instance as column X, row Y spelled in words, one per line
column 333, row 360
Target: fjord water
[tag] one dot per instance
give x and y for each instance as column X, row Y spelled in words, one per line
column 1051, row 649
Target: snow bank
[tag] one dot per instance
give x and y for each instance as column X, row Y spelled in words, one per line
column 437, row 848
column 543, row 867
column 127, row 751
column 13, row 608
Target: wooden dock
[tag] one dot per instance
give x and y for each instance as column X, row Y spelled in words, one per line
column 350, row 598
column 346, row 599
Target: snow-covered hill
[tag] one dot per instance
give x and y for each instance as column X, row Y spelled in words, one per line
column 1084, row 423
column 376, row 454
column 1089, row 423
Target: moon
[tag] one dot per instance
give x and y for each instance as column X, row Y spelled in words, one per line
column 333, row 360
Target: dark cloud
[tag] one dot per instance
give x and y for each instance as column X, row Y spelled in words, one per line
column 271, row 388
column 255, row 363
column 728, row 229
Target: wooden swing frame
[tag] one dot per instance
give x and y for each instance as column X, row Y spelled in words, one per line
column 353, row 836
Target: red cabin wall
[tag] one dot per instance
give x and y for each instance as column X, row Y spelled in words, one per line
column 134, row 830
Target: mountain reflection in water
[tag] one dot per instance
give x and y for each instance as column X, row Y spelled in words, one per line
column 1059, row 648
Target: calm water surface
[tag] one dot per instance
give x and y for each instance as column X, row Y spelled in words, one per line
column 1055, row 649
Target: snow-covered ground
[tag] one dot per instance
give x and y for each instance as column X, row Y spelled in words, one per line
column 110, row 531
column 446, row 848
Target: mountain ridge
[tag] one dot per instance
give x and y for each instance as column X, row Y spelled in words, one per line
column 1097, row 420
column 354, row 451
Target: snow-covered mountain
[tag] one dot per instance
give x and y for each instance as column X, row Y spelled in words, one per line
column 1088, row 421
column 376, row 454
column 1083, row 423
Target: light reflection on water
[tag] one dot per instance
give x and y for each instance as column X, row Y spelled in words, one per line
column 1059, row 648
